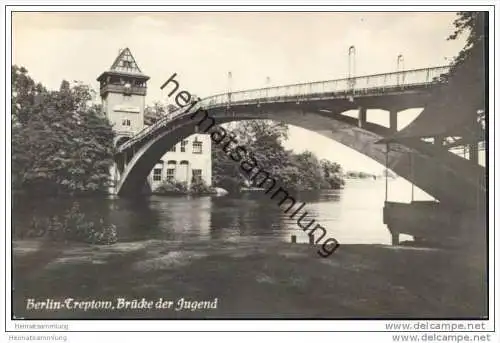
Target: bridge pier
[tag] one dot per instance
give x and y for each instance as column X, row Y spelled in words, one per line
column 361, row 116
column 115, row 178
column 474, row 152
column 394, row 237
column 393, row 120
column 115, row 172
column 438, row 140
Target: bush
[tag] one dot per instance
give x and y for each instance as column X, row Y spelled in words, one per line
column 334, row 182
column 105, row 234
column 73, row 226
column 198, row 186
column 172, row 187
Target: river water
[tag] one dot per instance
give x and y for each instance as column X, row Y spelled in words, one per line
column 352, row 215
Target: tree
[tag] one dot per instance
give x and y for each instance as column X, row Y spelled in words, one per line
column 469, row 65
column 473, row 24
column 171, row 108
column 264, row 140
column 310, row 171
column 332, row 174
column 225, row 172
column 24, row 94
column 467, row 74
column 153, row 113
column 61, row 143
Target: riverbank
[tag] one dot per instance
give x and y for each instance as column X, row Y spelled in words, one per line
column 250, row 278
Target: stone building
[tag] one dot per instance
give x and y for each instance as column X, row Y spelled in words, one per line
column 123, row 91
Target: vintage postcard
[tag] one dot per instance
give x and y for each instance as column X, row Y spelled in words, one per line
column 250, row 163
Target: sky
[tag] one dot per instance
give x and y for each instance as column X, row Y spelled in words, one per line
column 203, row 47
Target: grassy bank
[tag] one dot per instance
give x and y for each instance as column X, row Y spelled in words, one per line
column 251, row 279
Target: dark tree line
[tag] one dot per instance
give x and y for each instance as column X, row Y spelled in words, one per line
column 61, row 143
column 467, row 77
column 264, row 139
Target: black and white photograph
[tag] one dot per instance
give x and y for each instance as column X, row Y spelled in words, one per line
column 233, row 165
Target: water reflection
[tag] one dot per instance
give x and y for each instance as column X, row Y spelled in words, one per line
column 351, row 215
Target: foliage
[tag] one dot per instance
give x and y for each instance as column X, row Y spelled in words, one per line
column 152, row 113
column 61, row 144
column 199, row 186
column 172, row 187
column 467, row 72
column 359, row 175
column 171, row 108
column 225, row 172
column 473, row 24
column 24, row 93
column 264, row 139
column 467, row 77
column 73, row 226
column 332, row 174
column 307, row 173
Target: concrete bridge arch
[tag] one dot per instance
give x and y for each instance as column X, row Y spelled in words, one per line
column 438, row 177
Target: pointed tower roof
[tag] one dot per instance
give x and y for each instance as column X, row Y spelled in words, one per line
column 124, row 65
column 125, row 62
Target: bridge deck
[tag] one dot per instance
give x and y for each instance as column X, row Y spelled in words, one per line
column 378, row 84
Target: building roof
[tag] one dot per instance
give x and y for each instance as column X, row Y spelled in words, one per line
column 124, row 65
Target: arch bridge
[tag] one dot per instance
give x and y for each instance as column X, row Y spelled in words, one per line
column 319, row 107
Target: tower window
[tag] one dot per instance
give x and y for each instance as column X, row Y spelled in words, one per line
column 157, row 174
column 126, row 122
column 197, row 147
column 172, row 149
column 183, row 145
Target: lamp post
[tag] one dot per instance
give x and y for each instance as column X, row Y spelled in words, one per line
column 400, row 63
column 386, row 172
column 229, row 86
column 352, row 62
column 400, row 66
column 352, row 67
column 268, row 81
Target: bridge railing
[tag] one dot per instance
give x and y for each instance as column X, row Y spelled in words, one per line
column 355, row 85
